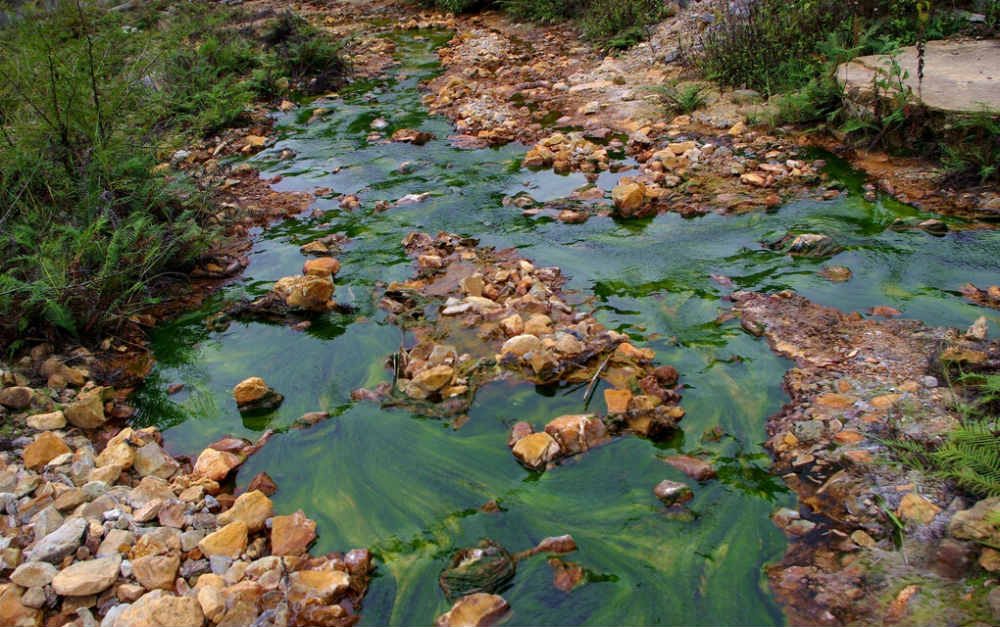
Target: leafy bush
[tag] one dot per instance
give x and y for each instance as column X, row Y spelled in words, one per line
column 620, row 23
column 88, row 98
column 681, row 100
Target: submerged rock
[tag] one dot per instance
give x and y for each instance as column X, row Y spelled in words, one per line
column 474, row 610
column 672, row 492
column 486, row 567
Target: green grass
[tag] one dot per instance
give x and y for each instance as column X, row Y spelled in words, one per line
column 88, row 100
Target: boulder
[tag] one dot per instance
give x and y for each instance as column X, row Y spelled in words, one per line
column 325, row 585
column 87, row 577
column 476, row 610
column 153, row 460
column 321, row 267
column 34, row 574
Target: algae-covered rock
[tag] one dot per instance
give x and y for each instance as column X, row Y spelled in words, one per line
column 483, row 568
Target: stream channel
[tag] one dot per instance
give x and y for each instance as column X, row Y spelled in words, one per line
column 410, row 487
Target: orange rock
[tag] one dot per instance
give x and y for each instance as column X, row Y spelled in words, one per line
column 886, row 400
column 215, row 465
column 229, row 541
column 835, row 401
column 321, row 267
column 917, row 508
column 46, row 447
column 617, row 400
column 848, row 437
column 291, row 535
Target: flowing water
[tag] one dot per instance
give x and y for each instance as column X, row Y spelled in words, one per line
column 409, row 487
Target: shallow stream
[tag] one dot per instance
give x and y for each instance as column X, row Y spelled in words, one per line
column 409, row 487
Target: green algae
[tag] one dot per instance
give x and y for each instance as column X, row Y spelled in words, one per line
column 410, row 486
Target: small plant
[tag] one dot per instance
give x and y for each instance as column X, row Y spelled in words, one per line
column 969, row 456
column 681, row 100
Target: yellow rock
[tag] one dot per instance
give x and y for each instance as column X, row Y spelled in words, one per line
column 46, row 447
column 916, row 508
column 215, row 464
column 617, row 400
column 250, row 390
column 536, row 450
column 305, row 291
column 253, row 508
column 229, row 541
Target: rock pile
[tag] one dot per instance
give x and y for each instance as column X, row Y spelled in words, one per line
column 107, row 528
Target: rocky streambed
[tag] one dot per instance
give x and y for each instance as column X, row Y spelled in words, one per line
column 447, row 401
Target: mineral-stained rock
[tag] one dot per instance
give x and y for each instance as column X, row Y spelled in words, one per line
column 485, row 567
column 263, row 482
column 12, row 611
column 628, row 196
column 152, row 460
column 536, row 450
column 253, row 394
column 475, row 610
column 87, row 412
column 292, row 534
column 576, row 432
column 915, row 507
column 159, row 609
column 46, row 447
column 87, row 577
column 519, row 430
column 253, row 508
column 305, row 291
column 321, row 267
column 325, row 585
column 617, row 400
column 672, row 492
column 229, row 541
column 214, row 464
column 156, row 571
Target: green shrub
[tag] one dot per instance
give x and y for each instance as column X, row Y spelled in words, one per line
column 681, row 100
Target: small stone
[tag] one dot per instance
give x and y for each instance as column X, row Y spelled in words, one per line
column 617, row 400
column 978, row 329
column 576, row 433
column 989, row 560
column 156, row 571
column 536, row 450
column 253, row 508
column 326, row 585
column 321, row 267
column 33, row 597
column 628, row 196
column 157, row 609
column 87, row 412
column 994, row 600
column 672, row 492
column 292, row 534
column 263, row 482
column 916, row 508
column 538, row 325
column 46, row 447
column 215, row 465
column 229, row 541
column 213, row 605
column 46, row 422
column 836, row 273
column 152, row 460
column 34, row 574
column 17, row 397
column 521, row 345
column 475, row 610
column 88, row 577
column 861, row 538
column 435, row 378
column 60, row 543
column 305, row 291
column 693, row 467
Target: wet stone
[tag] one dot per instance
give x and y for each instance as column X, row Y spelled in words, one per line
column 672, row 492
column 487, row 567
